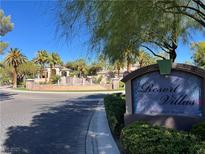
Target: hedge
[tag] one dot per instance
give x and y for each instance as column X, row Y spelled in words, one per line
column 199, row 130
column 142, row 138
column 115, row 109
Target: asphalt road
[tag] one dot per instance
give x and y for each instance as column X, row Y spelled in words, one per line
column 33, row 123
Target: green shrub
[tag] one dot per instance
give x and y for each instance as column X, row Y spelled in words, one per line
column 21, row 84
column 99, row 79
column 121, row 84
column 72, row 74
column 142, row 138
column 199, row 130
column 115, row 109
column 42, row 83
column 55, row 78
column 197, row 148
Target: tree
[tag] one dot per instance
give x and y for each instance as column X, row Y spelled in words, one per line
column 118, row 64
column 6, row 74
column 97, row 66
column 53, row 60
column 194, row 9
column 79, row 67
column 144, row 59
column 199, row 54
column 71, row 65
column 27, row 70
column 42, row 60
column 131, row 58
column 120, row 25
column 5, row 27
column 14, row 59
column 3, row 46
column 94, row 68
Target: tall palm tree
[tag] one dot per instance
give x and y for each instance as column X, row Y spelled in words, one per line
column 118, row 64
column 81, row 67
column 53, row 60
column 14, row 59
column 41, row 59
column 144, row 59
column 131, row 56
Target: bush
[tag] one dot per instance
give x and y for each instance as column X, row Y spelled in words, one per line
column 121, row 84
column 142, row 138
column 198, row 148
column 199, row 130
column 72, row 74
column 97, row 79
column 55, row 78
column 115, row 109
column 42, row 83
column 21, row 84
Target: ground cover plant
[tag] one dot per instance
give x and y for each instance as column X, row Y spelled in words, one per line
column 199, row 130
column 143, row 138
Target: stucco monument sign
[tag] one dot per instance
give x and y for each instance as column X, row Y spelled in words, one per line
column 179, row 95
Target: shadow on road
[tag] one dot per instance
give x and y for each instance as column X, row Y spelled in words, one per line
column 93, row 96
column 6, row 96
column 61, row 130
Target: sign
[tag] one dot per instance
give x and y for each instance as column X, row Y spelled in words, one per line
column 179, row 93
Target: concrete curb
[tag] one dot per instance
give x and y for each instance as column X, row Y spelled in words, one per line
column 54, row 92
column 99, row 138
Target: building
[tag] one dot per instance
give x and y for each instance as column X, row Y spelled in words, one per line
column 57, row 70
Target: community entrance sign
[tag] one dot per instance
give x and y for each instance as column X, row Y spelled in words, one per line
column 181, row 93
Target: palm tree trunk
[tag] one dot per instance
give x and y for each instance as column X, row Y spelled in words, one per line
column 15, row 78
column 118, row 72
column 141, row 63
column 41, row 71
column 128, row 67
column 51, row 73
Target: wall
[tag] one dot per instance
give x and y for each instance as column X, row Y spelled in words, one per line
column 31, row 85
column 61, row 87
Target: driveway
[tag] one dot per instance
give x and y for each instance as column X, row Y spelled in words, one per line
column 37, row 123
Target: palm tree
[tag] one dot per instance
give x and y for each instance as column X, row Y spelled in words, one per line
column 53, row 59
column 144, row 59
column 81, row 67
column 41, row 59
column 118, row 64
column 14, row 59
column 131, row 56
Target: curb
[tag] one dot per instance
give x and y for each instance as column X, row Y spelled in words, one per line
column 60, row 92
column 99, row 139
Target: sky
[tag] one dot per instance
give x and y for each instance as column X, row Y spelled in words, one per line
column 35, row 29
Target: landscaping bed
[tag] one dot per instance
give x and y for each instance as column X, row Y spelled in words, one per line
column 115, row 109
column 143, row 138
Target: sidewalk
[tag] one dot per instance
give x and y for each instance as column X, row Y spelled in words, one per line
column 99, row 138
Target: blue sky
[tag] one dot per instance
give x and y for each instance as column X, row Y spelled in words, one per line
column 35, row 29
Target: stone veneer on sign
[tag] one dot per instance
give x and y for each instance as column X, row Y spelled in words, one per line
column 175, row 101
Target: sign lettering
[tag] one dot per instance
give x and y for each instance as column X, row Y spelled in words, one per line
column 178, row 93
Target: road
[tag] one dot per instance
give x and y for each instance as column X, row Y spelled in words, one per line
column 38, row 123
